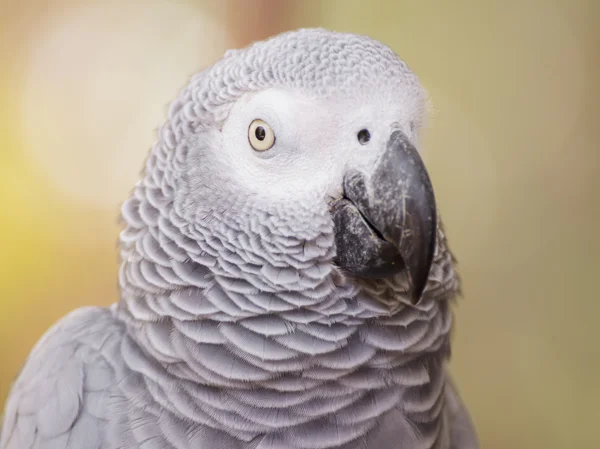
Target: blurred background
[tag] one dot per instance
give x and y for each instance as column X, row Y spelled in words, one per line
column 513, row 147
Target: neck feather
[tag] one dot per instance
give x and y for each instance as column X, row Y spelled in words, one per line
column 254, row 343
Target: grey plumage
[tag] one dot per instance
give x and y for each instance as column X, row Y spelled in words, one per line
column 235, row 327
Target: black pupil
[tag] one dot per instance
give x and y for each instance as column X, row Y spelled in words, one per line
column 260, row 133
column 364, row 136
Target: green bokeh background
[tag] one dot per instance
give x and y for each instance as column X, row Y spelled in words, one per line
column 513, row 147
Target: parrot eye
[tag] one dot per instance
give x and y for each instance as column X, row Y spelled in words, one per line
column 363, row 136
column 260, row 135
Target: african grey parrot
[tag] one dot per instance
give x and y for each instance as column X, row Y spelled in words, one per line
column 285, row 279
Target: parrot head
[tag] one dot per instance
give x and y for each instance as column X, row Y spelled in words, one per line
column 298, row 156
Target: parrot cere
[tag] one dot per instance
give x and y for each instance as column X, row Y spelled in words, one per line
column 285, row 279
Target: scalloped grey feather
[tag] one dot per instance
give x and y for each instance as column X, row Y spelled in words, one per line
column 235, row 328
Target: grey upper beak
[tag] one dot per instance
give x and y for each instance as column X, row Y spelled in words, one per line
column 387, row 221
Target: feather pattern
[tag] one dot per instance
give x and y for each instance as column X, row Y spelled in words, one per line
column 235, row 330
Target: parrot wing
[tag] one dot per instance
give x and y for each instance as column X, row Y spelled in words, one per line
column 462, row 430
column 59, row 397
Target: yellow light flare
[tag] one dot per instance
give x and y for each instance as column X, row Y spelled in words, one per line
column 98, row 84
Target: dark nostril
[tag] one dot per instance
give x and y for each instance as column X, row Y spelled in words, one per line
column 363, row 136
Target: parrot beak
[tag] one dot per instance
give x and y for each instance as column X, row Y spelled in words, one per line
column 386, row 222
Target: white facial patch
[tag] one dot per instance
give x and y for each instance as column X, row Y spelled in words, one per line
column 305, row 154
column 316, row 140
